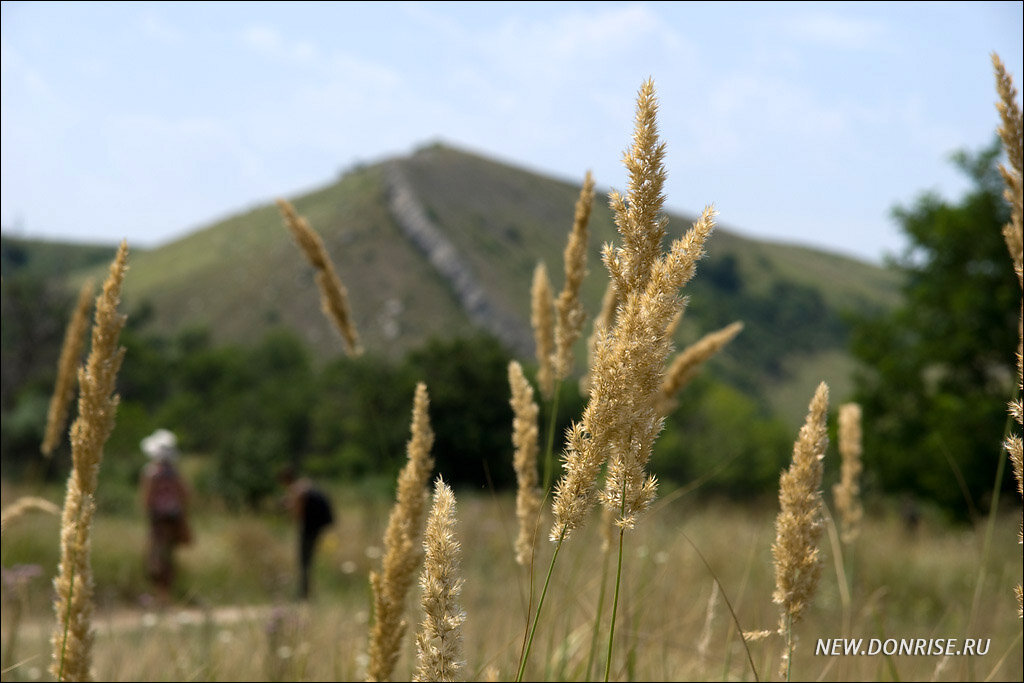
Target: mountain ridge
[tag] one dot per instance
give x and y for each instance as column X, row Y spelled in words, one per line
column 441, row 242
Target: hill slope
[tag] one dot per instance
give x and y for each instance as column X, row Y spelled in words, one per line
column 442, row 241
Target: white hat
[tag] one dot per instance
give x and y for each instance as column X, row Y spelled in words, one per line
column 161, row 444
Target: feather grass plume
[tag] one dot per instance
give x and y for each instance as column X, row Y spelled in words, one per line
column 333, row 295
column 569, row 324
column 543, row 322
column 67, row 370
column 439, row 641
column 525, row 434
column 24, row 505
column 689, row 360
column 1011, row 131
column 800, row 521
column 1012, row 134
column 846, row 494
column 602, row 322
column 621, row 420
column 97, row 407
column 402, row 550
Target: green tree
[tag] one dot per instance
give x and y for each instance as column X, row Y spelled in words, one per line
column 467, row 380
column 262, row 413
column 720, row 441
column 939, row 368
column 35, row 311
column 360, row 420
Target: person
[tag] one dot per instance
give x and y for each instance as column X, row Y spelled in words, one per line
column 165, row 499
column 312, row 511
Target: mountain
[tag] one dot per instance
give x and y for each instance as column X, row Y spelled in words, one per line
column 45, row 258
column 442, row 241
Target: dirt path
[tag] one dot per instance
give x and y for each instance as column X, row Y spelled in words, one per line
column 177, row 617
column 171, row 618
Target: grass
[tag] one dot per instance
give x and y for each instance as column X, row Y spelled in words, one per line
column 923, row 590
column 931, row 588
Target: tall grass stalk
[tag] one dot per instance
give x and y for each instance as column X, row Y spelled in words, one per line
column 630, row 361
column 524, row 440
column 24, row 505
column 607, row 522
column 67, row 370
column 543, row 321
column 690, row 359
column 1011, row 132
column 846, row 494
column 622, row 420
column 558, row 322
column 97, row 408
column 333, row 295
column 439, row 641
column 839, row 560
column 709, row 618
column 847, row 501
column 529, row 495
column 402, row 544
column 728, row 604
column 799, row 524
column 532, row 629
column 549, row 440
column 569, row 321
column 615, row 606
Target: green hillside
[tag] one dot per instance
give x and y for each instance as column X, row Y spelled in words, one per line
column 442, row 241
column 45, row 258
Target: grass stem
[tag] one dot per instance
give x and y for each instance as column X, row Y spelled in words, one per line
column 540, row 604
column 549, row 452
column 597, row 616
column 615, row 608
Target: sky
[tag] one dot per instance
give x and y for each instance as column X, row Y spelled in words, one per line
column 802, row 122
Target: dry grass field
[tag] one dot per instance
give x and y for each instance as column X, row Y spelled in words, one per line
column 235, row 619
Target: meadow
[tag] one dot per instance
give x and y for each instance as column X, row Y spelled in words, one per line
column 235, row 618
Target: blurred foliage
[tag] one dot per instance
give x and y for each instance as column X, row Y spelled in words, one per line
column 939, row 368
column 35, row 312
column 248, row 410
column 719, row 440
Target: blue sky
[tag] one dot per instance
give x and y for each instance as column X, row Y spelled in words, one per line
column 801, row 122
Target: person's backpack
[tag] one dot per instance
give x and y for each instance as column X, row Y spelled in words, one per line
column 165, row 492
column 318, row 511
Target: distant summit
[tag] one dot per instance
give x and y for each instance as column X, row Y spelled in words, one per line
column 443, row 242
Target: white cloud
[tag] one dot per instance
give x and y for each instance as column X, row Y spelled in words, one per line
column 156, row 27
column 602, row 33
column 594, row 39
column 837, row 31
column 262, row 39
column 334, row 67
column 270, row 42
